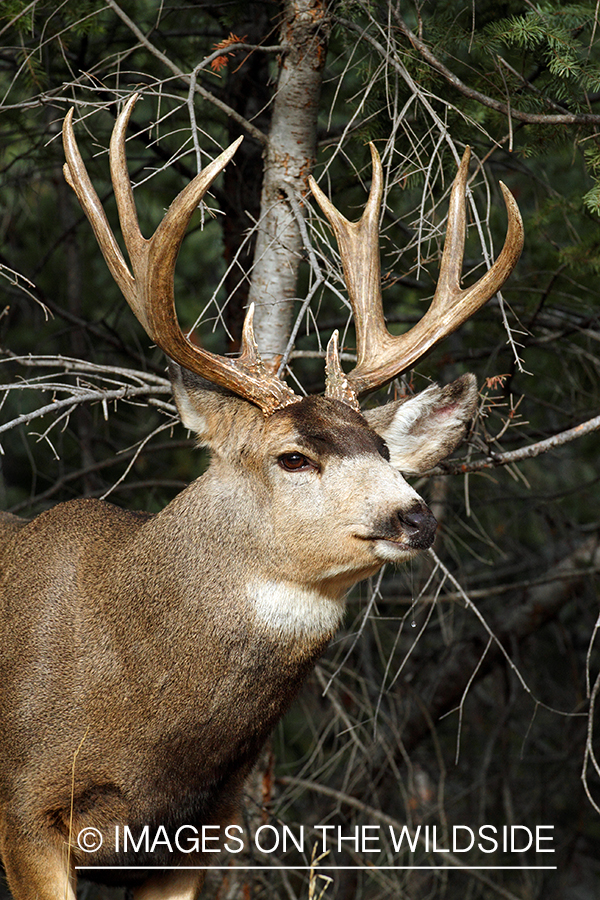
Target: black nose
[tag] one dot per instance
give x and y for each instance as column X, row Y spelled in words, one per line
column 420, row 525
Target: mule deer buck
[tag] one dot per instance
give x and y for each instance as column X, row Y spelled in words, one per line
column 146, row 658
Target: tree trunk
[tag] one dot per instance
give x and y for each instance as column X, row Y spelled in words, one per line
column 249, row 90
column 288, row 162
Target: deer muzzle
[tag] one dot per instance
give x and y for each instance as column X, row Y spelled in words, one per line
column 419, row 525
column 409, row 529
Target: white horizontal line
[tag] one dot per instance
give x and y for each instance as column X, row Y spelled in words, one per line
column 318, row 868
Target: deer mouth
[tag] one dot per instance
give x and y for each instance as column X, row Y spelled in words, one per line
column 388, row 543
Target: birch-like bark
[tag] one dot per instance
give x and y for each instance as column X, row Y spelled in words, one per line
column 289, row 159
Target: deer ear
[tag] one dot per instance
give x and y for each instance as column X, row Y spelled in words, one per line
column 187, row 393
column 426, row 428
column 209, row 410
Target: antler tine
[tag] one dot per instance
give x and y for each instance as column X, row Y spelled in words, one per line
column 358, row 243
column 451, row 304
column 77, row 177
column 337, row 386
column 380, row 355
column 150, row 291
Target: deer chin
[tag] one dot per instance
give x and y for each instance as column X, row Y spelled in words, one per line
column 393, row 550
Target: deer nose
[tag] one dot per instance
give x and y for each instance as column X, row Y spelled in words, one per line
column 420, row 526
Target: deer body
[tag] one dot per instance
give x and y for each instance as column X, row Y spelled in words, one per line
column 216, row 651
column 146, row 658
column 215, row 686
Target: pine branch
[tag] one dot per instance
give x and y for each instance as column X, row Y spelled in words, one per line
column 509, row 111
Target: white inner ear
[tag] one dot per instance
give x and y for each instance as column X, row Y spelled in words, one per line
column 190, row 416
column 426, row 428
column 408, row 429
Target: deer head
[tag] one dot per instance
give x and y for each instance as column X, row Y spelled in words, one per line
column 156, row 653
column 208, row 388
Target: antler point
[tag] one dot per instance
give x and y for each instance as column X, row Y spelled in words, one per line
column 132, row 100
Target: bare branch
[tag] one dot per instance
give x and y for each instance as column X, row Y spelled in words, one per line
column 493, row 460
column 231, row 113
column 145, row 385
column 371, row 812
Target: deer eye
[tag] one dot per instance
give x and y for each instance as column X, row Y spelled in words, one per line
column 295, row 462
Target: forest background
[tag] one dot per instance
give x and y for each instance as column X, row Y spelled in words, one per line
column 462, row 689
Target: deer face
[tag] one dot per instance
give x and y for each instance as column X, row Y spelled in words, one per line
column 334, row 477
column 321, row 483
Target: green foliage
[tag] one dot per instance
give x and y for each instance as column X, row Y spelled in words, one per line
column 557, row 37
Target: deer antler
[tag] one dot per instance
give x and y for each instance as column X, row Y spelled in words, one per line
column 380, row 355
column 149, row 290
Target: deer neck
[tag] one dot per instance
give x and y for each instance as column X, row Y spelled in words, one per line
column 210, row 574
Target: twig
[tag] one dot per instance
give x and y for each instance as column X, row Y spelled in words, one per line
column 228, row 110
column 82, row 396
column 376, row 814
column 503, row 459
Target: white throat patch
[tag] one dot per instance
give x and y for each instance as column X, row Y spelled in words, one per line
column 291, row 611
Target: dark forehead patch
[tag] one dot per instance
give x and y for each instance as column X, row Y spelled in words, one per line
column 329, row 427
